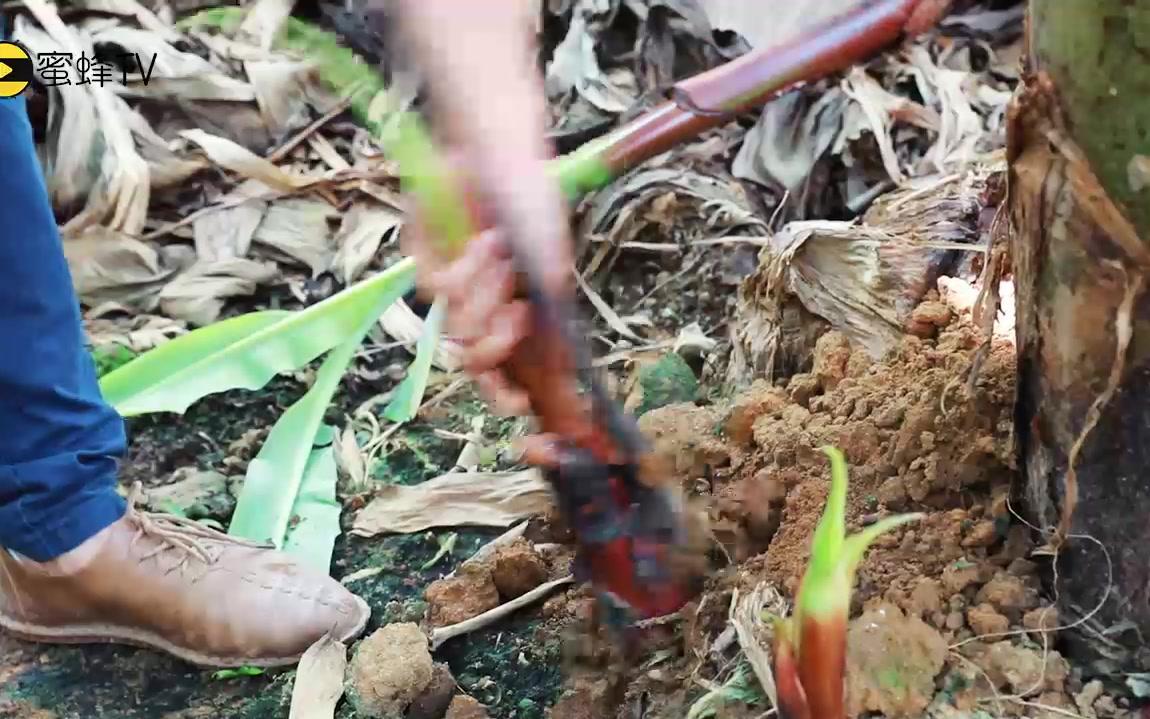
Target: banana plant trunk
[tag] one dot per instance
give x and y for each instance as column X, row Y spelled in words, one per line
column 1079, row 210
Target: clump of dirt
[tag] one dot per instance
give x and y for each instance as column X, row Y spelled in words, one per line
column 469, row 593
column 195, row 494
column 465, row 707
column 928, row 317
column 1041, row 619
column 1008, row 594
column 762, row 398
column 586, row 695
column 916, row 438
column 389, row 671
column 433, row 701
column 892, row 660
column 517, row 568
column 684, row 439
column 985, row 619
column 577, row 604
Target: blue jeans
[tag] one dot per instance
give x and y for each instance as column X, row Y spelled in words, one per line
column 59, row 441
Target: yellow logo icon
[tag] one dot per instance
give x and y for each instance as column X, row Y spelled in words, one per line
column 15, row 69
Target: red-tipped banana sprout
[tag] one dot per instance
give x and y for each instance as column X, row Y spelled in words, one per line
column 810, row 646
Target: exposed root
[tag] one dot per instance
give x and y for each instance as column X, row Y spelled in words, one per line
column 1044, row 631
column 659, row 621
column 1048, row 708
column 446, row 392
column 491, row 616
column 998, row 698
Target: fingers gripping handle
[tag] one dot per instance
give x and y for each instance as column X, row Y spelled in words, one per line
column 625, row 529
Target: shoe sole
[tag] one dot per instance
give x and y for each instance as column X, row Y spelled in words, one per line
column 109, row 634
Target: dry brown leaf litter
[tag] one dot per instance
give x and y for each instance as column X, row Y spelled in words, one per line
column 924, row 116
column 490, row 499
column 319, row 677
column 601, row 55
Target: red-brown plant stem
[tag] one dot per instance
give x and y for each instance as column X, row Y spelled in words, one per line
column 791, row 699
column 822, row 666
column 699, row 103
column 716, row 96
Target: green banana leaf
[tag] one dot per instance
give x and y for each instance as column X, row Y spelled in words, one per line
column 154, row 366
column 408, row 395
column 315, row 516
column 246, row 352
column 275, row 478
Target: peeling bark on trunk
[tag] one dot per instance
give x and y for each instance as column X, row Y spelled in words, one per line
column 1079, row 141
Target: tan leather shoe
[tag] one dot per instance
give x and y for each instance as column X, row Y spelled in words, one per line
column 168, row 583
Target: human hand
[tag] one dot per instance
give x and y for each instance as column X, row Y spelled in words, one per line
column 488, row 106
column 483, row 315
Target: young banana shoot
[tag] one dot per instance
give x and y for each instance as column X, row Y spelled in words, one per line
column 810, row 646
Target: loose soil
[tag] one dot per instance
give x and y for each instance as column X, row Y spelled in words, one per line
column 921, row 432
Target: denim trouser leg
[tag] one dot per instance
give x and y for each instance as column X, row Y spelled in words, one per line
column 59, row 441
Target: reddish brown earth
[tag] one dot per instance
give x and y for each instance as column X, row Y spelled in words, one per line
column 919, row 434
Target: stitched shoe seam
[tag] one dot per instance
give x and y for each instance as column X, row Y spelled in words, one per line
column 287, row 590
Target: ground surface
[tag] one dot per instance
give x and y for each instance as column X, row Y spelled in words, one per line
column 917, row 439
column 949, row 613
column 83, row 682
